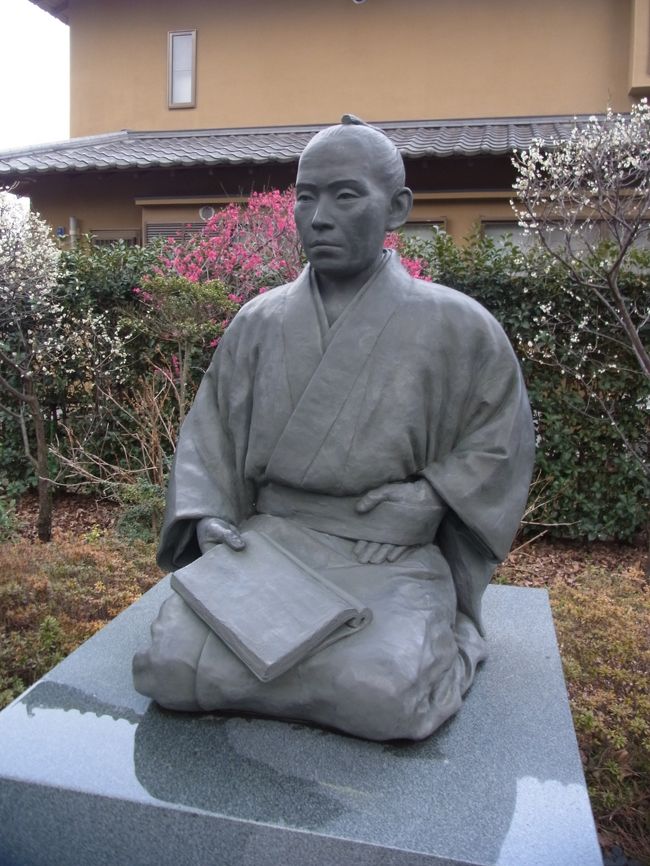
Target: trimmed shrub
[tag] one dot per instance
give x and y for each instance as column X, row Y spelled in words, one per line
column 169, row 305
column 588, row 396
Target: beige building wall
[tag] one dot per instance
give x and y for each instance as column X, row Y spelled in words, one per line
column 273, row 62
column 96, row 203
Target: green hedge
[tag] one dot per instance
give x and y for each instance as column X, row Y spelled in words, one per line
column 586, row 390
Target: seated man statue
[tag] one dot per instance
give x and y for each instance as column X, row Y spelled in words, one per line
column 378, row 427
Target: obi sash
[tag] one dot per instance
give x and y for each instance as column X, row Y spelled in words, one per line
column 386, row 523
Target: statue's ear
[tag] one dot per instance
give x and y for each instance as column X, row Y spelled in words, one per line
column 400, row 207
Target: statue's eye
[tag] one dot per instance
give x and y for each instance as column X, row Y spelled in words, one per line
column 347, row 194
column 304, row 196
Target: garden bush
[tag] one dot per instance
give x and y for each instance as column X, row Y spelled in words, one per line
column 589, row 398
column 168, row 305
column 103, row 276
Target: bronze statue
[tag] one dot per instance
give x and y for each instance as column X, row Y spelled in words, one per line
column 372, row 426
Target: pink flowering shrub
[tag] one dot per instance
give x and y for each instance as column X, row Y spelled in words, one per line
column 417, row 268
column 251, row 248
column 248, row 248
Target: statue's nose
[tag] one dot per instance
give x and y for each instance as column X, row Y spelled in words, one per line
column 322, row 216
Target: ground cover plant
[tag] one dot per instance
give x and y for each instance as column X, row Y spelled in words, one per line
column 55, row 596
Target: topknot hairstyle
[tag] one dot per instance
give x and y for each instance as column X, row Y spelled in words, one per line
column 386, row 156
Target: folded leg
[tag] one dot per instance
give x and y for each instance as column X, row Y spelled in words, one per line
column 401, row 677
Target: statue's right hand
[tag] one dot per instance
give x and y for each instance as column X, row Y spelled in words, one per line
column 211, row 531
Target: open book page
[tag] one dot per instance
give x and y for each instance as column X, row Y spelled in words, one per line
column 266, row 605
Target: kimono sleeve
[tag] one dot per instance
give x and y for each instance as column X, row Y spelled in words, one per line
column 206, row 479
column 484, row 479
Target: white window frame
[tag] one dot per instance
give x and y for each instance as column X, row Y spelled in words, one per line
column 424, row 228
column 526, row 242
column 106, row 237
column 170, row 70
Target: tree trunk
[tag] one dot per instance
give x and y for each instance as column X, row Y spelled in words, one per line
column 184, row 357
column 28, row 397
column 44, row 522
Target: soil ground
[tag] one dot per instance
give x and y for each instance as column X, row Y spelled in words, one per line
column 71, row 514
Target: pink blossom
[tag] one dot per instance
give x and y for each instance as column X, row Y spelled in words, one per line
column 250, row 248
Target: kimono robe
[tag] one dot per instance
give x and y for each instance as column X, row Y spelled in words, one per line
column 294, row 421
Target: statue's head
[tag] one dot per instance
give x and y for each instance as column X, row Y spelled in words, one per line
column 349, row 192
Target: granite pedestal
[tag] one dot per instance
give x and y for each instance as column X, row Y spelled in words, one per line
column 91, row 773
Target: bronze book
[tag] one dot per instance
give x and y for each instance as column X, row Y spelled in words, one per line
column 270, row 608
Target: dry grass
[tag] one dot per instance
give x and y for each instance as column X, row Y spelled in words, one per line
column 55, row 596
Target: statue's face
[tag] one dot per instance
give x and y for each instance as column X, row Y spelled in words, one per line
column 342, row 206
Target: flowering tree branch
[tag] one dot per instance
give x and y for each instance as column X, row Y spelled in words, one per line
column 45, row 344
column 587, row 200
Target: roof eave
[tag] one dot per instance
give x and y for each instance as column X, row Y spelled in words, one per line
column 57, row 8
column 167, row 149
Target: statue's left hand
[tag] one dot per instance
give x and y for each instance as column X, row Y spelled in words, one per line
column 408, row 493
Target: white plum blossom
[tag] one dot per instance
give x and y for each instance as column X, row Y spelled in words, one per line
column 44, row 339
column 40, row 336
column 586, row 197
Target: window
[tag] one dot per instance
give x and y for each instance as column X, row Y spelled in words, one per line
column 639, row 75
column 177, row 230
column 423, row 229
column 586, row 236
column 107, row 237
column 181, row 61
column 500, row 230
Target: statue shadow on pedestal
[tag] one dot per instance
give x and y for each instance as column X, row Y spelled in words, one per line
column 297, row 775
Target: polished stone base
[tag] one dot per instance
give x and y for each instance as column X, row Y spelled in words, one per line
column 90, row 773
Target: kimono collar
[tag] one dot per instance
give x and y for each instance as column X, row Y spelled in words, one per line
column 320, row 378
column 327, row 330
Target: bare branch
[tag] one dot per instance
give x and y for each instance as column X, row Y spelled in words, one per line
column 19, row 395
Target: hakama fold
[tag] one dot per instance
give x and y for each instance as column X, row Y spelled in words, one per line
column 399, row 678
